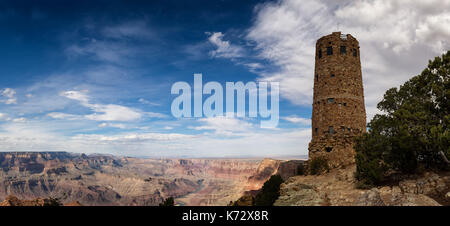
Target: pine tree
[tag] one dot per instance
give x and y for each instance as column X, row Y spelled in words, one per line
column 413, row 132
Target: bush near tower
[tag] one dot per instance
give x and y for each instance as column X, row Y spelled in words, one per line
column 413, row 134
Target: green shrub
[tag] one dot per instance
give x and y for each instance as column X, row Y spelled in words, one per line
column 301, row 169
column 269, row 192
column 168, row 202
column 318, row 165
column 370, row 167
column 246, row 200
column 53, row 202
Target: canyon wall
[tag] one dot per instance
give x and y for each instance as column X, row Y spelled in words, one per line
column 109, row 180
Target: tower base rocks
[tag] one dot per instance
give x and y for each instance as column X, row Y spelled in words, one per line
column 337, row 149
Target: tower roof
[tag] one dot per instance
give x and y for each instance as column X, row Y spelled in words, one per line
column 337, row 35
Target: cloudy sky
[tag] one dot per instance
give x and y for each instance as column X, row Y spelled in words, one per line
column 95, row 76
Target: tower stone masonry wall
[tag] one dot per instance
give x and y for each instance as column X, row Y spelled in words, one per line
column 339, row 113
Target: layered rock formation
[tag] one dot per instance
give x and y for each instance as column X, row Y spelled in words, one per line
column 109, row 180
column 269, row 167
column 14, row 201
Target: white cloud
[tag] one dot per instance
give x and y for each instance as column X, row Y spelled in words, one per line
column 19, row 120
column 155, row 115
column 36, row 135
column 132, row 137
column 76, row 95
column 397, row 39
column 224, row 125
column 223, row 48
column 258, row 143
column 399, row 25
column 8, row 92
column 112, row 112
column 109, row 112
column 113, row 43
column 284, row 33
column 107, row 51
column 9, row 95
column 60, row 115
column 127, row 30
column 26, row 137
column 144, row 101
column 103, row 125
column 104, row 112
column 114, row 125
column 253, row 66
column 299, row 120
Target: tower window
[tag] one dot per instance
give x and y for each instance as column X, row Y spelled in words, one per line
column 316, row 130
column 354, row 52
column 328, row 149
column 329, row 50
column 343, row 50
column 345, row 104
column 330, row 100
column 320, row 53
column 330, row 130
column 317, row 77
column 332, row 75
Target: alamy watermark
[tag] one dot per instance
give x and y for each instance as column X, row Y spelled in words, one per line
column 213, row 105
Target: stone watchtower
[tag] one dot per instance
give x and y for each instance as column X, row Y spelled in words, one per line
column 338, row 109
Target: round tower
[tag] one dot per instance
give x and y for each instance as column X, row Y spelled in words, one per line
column 338, row 109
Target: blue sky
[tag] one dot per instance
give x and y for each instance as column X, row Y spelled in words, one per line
column 95, row 76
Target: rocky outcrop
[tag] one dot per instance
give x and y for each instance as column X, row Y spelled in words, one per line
column 302, row 195
column 289, row 168
column 75, row 203
column 370, row 198
column 337, row 188
column 14, row 201
column 269, row 167
column 235, row 179
column 393, row 197
column 429, row 183
column 266, row 169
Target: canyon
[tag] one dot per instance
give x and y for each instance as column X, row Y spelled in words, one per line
column 38, row 178
column 105, row 180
